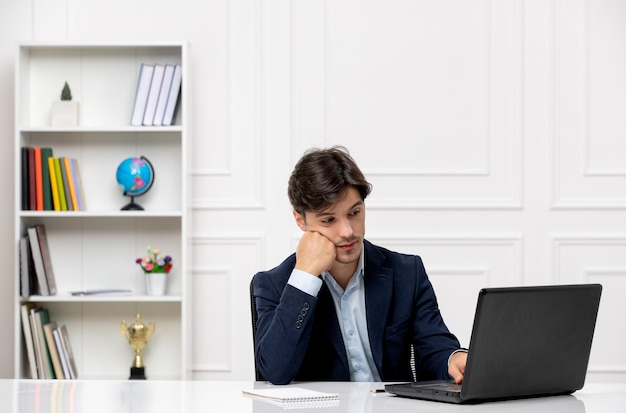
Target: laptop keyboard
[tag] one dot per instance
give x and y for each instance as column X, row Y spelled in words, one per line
column 450, row 387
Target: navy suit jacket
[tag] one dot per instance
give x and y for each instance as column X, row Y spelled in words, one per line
column 298, row 336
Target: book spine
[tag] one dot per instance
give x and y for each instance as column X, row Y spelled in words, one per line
column 53, row 185
column 47, row 258
column 24, row 267
column 141, row 95
column 153, row 95
column 78, row 184
column 28, row 338
column 52, row 348
column 32, row 185
column 67, row 348
column 57, row 169
column 46, row 153
column 38, row 180
column 32, row 317
column 164, row 93
column 66, row 185
column 70, row 183
column 24, row 177
column 43, row 317
column 38, row 261
column 62, row 356
column 173, row 97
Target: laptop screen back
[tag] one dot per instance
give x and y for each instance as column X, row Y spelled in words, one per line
column 529, row 341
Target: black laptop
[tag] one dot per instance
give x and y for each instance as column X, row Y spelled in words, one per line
column 526, row 342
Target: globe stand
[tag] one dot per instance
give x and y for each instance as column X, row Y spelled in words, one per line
column 132, row 206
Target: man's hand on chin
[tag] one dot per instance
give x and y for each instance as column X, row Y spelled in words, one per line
column 315, row 253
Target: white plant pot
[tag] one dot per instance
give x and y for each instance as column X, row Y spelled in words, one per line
column 156, row 283
column 65, row 113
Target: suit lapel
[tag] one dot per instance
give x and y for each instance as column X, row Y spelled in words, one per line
column 328, row 318
column 378, row 294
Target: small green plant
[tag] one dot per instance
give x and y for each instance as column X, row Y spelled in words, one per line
column 66, row 93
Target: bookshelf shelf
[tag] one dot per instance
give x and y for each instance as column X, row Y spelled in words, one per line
column 103, row 214
column 96, row 248
column 66, row 298
column 113, row 129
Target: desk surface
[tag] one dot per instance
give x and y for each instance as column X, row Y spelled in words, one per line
column 95, row 396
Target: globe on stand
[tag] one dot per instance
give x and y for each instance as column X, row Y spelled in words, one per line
column 136, row 177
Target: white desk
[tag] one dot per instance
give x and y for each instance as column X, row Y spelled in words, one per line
column 95, row 396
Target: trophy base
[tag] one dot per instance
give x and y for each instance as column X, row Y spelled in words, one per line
column 137, row 373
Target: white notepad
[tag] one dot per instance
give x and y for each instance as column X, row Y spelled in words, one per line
column 292, row 395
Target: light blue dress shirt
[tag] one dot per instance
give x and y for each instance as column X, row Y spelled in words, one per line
column 351, row 314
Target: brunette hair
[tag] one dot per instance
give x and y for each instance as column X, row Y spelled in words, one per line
column 321, row 177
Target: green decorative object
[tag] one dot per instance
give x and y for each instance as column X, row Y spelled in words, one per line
column 66, row 93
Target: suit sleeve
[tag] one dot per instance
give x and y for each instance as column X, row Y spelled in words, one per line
column 432, row 340
column 284, row 327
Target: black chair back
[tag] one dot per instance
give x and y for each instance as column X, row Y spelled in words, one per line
column 257, row 374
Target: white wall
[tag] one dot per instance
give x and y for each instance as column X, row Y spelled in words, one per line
column 491, row 130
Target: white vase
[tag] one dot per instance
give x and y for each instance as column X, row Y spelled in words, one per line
column 65, row 113
column 155, row 283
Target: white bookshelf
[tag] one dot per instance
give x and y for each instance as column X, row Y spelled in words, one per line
column 97, row 247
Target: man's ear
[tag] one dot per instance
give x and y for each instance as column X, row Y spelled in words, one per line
column 300, row 220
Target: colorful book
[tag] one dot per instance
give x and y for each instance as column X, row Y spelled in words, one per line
column 38, row 180
column 48, row 329
column 70, row 183
column 42, row 318
column 32, row 181
column 78, row 185
column 25, row 179
column 46, row 153
column 61, row 188
column 66, row 185
column 56, row 203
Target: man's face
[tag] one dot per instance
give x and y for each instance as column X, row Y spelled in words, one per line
column 343, row 223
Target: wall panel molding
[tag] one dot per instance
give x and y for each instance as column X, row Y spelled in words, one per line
column 237, row 179
column 597, row 259
column 587, row 169
column 328, row 102
column 221, row 268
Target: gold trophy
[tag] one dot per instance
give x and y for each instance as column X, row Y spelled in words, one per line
column 137, row 335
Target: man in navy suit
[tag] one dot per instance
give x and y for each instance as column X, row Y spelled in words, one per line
column 341, row 308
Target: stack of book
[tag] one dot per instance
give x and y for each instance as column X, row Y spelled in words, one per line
column 157, row 95
column 36, row 272
column 49, row 183
column 48, row 346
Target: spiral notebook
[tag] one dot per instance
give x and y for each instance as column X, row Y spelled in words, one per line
column 294, row 396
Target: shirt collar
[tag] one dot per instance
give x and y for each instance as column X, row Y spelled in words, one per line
column 360, row 270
